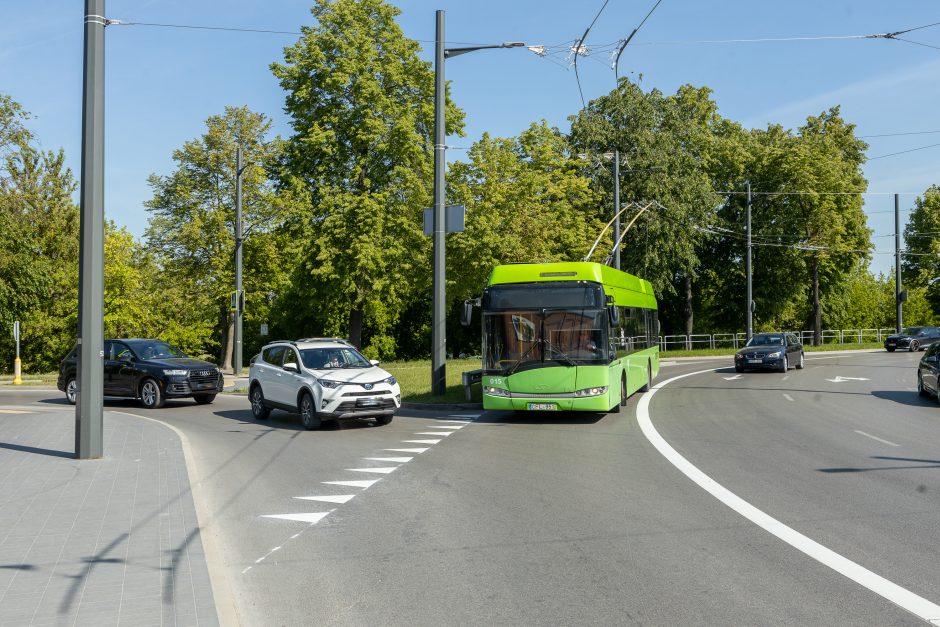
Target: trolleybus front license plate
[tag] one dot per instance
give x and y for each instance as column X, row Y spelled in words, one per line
column 542, row 406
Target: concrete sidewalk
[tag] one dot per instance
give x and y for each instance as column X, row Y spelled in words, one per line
column 112, row 541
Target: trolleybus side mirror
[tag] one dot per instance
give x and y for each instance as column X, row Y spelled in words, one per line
column 466, row 314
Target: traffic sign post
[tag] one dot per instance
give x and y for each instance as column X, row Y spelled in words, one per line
column 17, row 378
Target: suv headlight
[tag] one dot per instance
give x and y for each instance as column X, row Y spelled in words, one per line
column 391, row 381
column 330, row 384
column 496, row 391
column 175, row 373
column 591, row 391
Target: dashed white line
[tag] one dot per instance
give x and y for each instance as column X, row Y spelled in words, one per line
column 902, row 597
column 312, row 518
column 405, row 450
column 788, row 397
column 365, row 483
column 420, row 441
column 868, row 435
column 397, row 460
column 444, row 433
column 454, row 427
column 382, row 471
column 330, row 498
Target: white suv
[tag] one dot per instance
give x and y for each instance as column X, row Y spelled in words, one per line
column 321, row 379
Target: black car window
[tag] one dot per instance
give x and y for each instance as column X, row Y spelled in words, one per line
column 274, row 355
column 108, row 347
column 121, row 351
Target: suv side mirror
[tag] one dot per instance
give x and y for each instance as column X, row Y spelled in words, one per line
column 291, row 367
column 374, row 362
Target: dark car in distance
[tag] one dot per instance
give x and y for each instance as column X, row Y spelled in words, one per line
column 149, row 370
column 912, row 339
column 770, row 351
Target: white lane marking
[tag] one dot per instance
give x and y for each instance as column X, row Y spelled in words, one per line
column 737, row 376
column 312, row 518
column 247, row 569
column 473, row 416
column 382, row 471
column 785, row 377
column 454, row 427
column 420, row 441
column 841, row 379
column 444, row 433
column 397, row 460
column 15, row 411
column 868, row 435
column 365, row 483
column 332, row 498
column 917, row 605
column 788, row 397
column 405, row 450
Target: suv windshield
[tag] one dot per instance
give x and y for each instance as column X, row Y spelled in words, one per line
column 914, row 331
column 514, row 339
column 330, row 358
column 155, row 349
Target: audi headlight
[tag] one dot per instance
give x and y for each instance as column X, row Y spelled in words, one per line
column 496, row 391
column 330, row 384
column 598, row 391
column 175, row 373
column 391, row 381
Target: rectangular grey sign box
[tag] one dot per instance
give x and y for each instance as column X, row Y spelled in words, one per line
column 453, row 219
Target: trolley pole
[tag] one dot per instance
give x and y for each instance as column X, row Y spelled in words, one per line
column 239, row 298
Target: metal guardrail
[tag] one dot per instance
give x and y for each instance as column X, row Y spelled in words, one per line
column 469, row 378
column 737, row 340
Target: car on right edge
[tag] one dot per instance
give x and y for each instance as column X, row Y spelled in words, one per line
column 912, row 339
column 321, row 379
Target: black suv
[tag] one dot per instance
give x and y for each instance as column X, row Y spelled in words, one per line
column 150, row 370
column 912, row 339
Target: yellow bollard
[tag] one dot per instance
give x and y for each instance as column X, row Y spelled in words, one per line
column 16, row 372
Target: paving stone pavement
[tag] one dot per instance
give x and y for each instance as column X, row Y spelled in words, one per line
column 112, row 541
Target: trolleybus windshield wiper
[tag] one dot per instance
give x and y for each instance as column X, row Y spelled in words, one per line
column 561, row 355
column 518, row 363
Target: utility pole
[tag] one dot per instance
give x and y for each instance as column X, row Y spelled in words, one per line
column 899, row 321
column 617, row 208
column 239, row 299
column 89, row 406
column 747, row 265
column 438, row 318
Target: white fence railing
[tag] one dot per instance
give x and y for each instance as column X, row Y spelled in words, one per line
column 737, row 340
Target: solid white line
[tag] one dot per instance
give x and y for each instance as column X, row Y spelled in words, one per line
column 365, row 483
column 788, row 397
column 868, row 435
column 917, row 605
column 312, row 518
column 454, row 427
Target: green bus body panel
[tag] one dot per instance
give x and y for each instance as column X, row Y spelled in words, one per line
column 627, row 290
column 542, row 385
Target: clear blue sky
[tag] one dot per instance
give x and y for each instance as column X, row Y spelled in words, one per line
column 162, row 83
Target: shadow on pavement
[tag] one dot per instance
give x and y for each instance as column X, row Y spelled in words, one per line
column 37, row 451
column 921, row 463
column 291, row 422
column 905, row 398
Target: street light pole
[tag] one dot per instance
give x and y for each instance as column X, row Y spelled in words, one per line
column 89, row 406
column 438, row 314
column 747, row 266
column 239, row 300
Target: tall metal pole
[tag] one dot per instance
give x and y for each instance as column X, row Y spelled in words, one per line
column 89, row 406
column 239, row 299
column 747, row 266
column 438, row 318
column 899, row 321
column 617, row 208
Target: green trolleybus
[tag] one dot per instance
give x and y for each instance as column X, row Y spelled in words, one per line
column 567, row 336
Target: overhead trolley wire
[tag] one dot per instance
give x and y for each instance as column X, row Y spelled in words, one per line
column 626, row 41
column 578, row 48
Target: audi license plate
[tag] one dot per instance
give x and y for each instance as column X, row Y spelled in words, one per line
column 755, row 361
column 543, row 407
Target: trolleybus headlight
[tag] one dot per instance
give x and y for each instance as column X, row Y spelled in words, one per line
column 592, row 391
column 496, row 391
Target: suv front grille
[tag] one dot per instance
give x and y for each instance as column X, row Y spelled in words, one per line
column 203, row 377
column 373, row 393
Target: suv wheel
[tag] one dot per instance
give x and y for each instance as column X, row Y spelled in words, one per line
column 150, row 394
column 71, row 390
column 308, row 412
column 383, row 420
column 258, row 408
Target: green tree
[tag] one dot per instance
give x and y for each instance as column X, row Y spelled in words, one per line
column 921, row 261
column 192, row 223
column 361, row 106
column 667, row 145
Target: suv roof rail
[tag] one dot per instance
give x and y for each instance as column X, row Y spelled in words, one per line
column 325, row 339
column 281, row 342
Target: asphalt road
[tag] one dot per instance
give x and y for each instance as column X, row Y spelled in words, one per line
column 579, row 519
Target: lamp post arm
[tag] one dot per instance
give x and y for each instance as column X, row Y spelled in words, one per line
column 455, row 52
